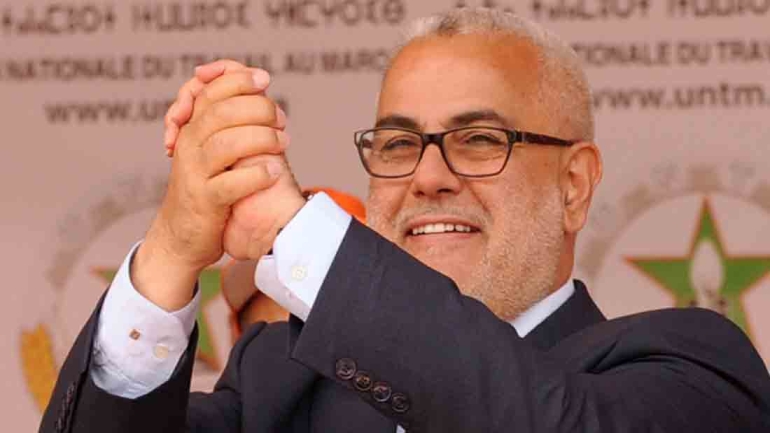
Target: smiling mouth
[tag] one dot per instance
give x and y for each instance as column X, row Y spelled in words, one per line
column 438, row 228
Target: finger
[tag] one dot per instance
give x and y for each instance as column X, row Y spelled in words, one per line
column 170, row 135
column 170, row 129
column 227, row 147
column 280, row 121
column 212, row 70
column 183, row 106
column 259, row 159
column 245, row 82
column 181, row 110
column 233, row 185
column 249, row 161
column 254, row 110
column 204, row 74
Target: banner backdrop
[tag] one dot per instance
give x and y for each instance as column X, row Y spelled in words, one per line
column 682, row 97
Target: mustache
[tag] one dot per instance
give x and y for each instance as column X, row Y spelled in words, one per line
column 474, row 217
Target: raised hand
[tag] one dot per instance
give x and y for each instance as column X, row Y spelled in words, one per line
column 245, row 221
column 181, row 110
column 231, row 148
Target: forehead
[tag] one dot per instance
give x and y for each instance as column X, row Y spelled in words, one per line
column 435, row 78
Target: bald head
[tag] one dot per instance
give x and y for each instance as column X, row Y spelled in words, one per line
column 561, row 88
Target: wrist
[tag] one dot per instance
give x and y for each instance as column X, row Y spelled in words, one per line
column 161, row 277
column 294, row 205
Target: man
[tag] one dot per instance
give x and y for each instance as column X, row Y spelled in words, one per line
column 483, row 167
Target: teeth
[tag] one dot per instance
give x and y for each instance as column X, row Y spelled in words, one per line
column 440, row 228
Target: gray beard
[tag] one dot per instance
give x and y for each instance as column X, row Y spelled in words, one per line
column 522, row 269
column 519, row 267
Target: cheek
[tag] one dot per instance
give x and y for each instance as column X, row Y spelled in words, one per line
column 382, row 205
column 503, row 195
column 511, row 201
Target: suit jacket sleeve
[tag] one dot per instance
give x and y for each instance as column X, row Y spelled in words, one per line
column 77, row 405
column 402, row 336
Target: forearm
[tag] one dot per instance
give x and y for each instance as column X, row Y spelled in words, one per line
column 160, row 276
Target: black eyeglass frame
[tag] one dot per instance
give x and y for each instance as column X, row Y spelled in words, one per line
column 514, row 136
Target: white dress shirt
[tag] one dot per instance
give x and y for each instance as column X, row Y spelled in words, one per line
column 138, row 345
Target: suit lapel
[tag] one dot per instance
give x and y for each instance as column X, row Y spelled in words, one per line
column 579, row 312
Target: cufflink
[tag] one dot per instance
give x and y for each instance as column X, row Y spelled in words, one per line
column 298, row 272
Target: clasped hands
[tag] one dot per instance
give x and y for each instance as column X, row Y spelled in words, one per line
column 230, row 188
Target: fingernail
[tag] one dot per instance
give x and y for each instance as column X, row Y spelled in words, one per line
column 260, row 78
column 280, row 117
column 198, row 69
column 283, row 138
column 274, row 169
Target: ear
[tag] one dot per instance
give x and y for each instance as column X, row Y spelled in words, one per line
column 581, row 171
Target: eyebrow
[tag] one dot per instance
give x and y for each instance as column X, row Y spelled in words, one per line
column 398, row 121
column 458, row 120
column 470, row 117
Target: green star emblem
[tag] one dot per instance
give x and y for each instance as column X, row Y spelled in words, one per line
column 209, row 284
column 708, row 276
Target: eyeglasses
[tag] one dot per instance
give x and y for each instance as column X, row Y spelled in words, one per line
column 471, row 151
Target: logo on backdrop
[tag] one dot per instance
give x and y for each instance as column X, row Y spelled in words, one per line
column 687, row 237
column 89, row 247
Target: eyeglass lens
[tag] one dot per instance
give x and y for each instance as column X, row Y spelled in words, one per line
column 469, row 151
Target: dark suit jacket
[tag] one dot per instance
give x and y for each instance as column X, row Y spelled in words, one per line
column 390, row 340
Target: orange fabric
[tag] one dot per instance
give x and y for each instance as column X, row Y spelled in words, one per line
column 350, row 203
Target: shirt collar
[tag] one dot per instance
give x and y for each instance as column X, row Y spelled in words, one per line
column 536, row 314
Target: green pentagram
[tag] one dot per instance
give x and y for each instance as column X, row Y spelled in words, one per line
column 675, row 273
column 209, row 285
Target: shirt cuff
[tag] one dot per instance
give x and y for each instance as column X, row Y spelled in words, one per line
column 138, row 344
column 302, row 255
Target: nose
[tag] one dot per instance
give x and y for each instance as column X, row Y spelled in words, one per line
column 432, row 177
